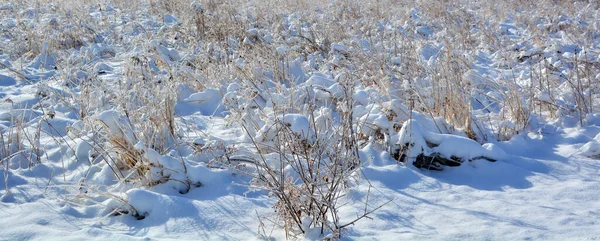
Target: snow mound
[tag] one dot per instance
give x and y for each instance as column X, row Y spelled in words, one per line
column 425, row 149
column 207, row 102
column 297, row 124
column 592, row 148
column 117, row 125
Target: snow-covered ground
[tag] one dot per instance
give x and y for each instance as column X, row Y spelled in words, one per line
column 251, row 120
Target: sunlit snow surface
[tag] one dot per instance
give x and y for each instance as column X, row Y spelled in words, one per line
column 544, row 185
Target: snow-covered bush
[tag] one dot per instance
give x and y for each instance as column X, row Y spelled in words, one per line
column 433, row 151
column 307, row 168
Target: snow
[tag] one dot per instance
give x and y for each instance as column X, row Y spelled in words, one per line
column 7, row 81
column 207, row 102
column 515, row 197
column 102, row 68
column 117, row 125
column 161, row 121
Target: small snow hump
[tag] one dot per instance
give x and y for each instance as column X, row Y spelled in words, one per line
column 208, row 102
column 297, row 124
